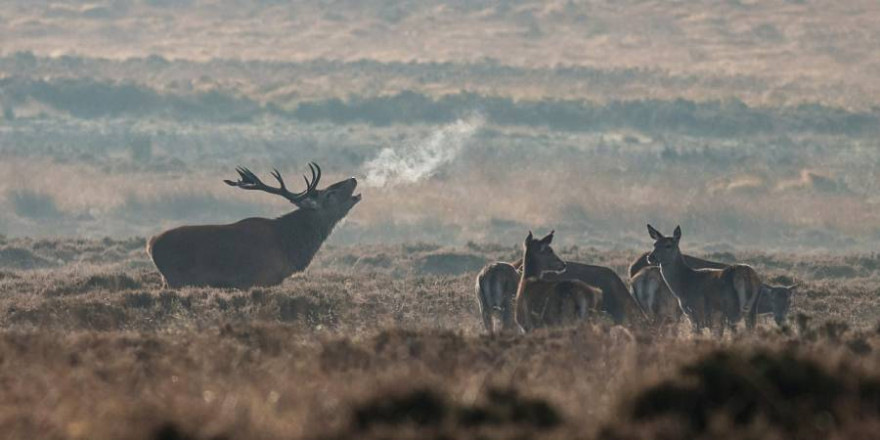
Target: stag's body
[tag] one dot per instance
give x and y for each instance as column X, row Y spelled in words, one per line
column 542, row 303
column 775, row 300
column 652, row 293
column 251, row 252
column 254, row 251
column 714, row 298
column 496, row 290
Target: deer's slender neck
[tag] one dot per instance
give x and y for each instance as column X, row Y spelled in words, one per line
column 531, row 268
column 676, row 273
column 302, row 232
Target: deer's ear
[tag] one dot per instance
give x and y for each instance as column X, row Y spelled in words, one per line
column 655, row 234
column 528, row 239
column 677, row 233
column 548, row 238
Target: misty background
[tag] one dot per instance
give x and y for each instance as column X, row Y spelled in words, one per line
column 752, row 124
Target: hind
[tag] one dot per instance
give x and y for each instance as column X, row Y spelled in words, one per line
column 495, row 289
column 654, row 296
column 748, row 287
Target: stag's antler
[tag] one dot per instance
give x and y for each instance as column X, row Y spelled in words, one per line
column 249, row 180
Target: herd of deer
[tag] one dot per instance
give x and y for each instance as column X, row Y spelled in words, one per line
column 540, row 290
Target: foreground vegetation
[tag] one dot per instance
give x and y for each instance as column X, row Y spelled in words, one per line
column 379, row 341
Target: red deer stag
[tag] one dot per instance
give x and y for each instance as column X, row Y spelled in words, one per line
column 254, row 251
column 715, row 298
column 541, row 303
column 775, row 300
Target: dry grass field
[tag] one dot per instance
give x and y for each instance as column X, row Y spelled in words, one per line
column 386, row 342
column 754, row 125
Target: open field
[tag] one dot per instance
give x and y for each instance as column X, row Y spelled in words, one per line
column 778, row 51
column 94, row 347
column 753, row 125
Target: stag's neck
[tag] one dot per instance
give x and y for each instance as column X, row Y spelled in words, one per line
column 302, row 232
column 676, row 274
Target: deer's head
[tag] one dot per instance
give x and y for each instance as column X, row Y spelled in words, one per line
column 332, row 202
column 666, row 249
column 780, row 301
column 538, row 256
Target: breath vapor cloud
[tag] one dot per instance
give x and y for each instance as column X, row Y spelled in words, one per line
column 420, row 160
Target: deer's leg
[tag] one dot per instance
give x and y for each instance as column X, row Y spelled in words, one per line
column 508, row 322
column 752, row 316
column 718, row 323
column 696, row 324
column 487, row 318
column 523, row 318
column 485, row 307
column 731, row 324
column 747, row 298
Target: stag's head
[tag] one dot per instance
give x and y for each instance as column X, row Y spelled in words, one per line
column 332, row 202
column 666, row 249
column 538, row 256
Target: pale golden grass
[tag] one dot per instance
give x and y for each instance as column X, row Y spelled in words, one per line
column 96, row 348
column 825, row 50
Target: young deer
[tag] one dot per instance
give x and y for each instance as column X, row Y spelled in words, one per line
column 710, row 297
column 617, row 301
column 652, row 293
column 541, row 303
column 496, row 288
column 776, row 300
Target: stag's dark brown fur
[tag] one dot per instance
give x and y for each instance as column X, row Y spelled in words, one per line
column 254, row 251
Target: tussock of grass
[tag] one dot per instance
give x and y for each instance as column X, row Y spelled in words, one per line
column 19, row 258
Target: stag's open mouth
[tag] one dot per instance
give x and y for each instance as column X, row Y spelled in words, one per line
column 354, row 197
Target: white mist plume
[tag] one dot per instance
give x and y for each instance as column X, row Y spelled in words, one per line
column 414, row 162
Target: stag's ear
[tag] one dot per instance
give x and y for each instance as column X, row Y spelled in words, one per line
column 529, row 238
column 677, row 233
column 548, row 238
column 655, row 234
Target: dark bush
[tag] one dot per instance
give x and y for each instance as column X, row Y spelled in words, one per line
column 781, row 391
